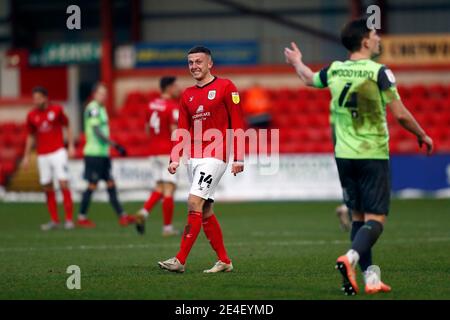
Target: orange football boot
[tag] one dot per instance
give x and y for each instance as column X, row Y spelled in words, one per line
column 349, row 285
column 382, row 287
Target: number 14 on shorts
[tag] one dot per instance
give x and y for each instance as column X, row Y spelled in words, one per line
column 204, row 179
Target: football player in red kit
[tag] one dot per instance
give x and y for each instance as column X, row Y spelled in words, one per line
column 213, row 106
column 45, row 125
column 162, row 118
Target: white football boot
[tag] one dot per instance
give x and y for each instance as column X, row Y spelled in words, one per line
column 172, row 265
column 220, row 267
column 50, row 226
column 170, row 231
column 69, row 225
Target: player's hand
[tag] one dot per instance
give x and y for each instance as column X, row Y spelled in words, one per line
column 25, row 163
column 427, row 141
column 122, row 151
column 71, row 151
column 293, row 55
column 173, row 167
column 237, row 167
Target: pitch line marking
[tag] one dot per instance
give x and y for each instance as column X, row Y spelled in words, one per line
column 233, row 244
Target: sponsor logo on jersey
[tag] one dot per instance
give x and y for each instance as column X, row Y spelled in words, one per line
column 200, row 114
column 211, row 94
column 199, row 109
column 94, row 112
column 235, row 97
column 44, row 127
column 51, row 116
column 191, row 98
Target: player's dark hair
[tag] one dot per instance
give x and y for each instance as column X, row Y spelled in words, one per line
column 353, row 33
column 41, row 90
column 97, row 85
column 200, row 49
column 166, row 81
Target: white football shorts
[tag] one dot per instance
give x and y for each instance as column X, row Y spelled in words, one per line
column 159, row 165
column 53, row 165
column 204, row 176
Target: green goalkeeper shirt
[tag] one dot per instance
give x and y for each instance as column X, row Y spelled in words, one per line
column 95, row 115
column 360, row 90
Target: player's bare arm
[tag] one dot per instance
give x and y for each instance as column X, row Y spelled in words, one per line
column 293, row 56
column 407, row 121
column 26, row 155
column 70, row 142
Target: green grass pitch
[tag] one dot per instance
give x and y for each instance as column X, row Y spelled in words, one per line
column 280, row 250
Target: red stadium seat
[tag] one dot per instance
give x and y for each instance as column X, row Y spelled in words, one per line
column 319, row 121
column 302, row 115
column 418, row 91
column 8, row 167
column 417, row 104
column 281, row 120
column 407, row 146
column 404, row 92
column 437, row 91
column 323, row 106
column 443, row 146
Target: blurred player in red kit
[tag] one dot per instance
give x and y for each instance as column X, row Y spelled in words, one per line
column 214, row 105
column 45, row 125
column 162, row 118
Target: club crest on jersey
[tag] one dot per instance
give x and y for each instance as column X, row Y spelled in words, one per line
column 211, row 94
column 390, row 75
column 51, row 116
column 235, row 97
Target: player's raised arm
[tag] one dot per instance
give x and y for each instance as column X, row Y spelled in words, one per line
column 407, row 121
column 293, row 57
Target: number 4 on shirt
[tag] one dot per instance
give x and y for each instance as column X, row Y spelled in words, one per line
column 351, row 102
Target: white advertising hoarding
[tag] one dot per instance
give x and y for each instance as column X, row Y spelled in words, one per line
column 292, row 177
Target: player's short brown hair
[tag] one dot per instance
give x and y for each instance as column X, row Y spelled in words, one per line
column 200, row 49
column 41, row 90
column 353, row 33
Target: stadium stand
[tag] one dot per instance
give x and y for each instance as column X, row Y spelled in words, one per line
column 302, row 115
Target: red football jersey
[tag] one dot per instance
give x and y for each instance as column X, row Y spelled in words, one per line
column 46, row 124
column 215, row 105
column 162, row 114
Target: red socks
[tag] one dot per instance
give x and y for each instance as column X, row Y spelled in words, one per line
column 191, row 231
column 152, row 200
column 68, row 204
column 212, row 230
column 167, row 208
column 51, row 205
